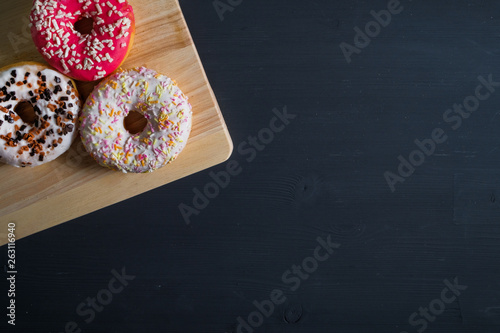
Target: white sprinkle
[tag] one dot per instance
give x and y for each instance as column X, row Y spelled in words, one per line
column 64, row 65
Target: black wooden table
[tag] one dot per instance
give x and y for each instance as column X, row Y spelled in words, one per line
column 362, row 194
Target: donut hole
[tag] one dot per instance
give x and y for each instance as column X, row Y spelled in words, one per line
column 84, row 26
column 26, row 111
column 135, row 122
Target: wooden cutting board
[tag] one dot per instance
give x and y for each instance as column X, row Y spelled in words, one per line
column 74, row 184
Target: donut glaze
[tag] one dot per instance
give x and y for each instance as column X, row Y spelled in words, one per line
column 158, row 98
column 56, row 105
column 86, row 57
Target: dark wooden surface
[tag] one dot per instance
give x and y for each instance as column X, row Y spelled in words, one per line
column 323, row 174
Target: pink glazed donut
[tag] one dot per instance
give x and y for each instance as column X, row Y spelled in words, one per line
column 85, row 57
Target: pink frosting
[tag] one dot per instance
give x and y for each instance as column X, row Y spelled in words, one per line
column 83, row 57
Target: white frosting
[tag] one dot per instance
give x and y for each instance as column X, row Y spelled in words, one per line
column 23, row 144
column 157, row 97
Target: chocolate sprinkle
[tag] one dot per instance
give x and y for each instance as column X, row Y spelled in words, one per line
column 57, row 79
column 13, row 73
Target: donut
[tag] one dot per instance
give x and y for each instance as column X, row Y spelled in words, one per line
column 155, row 96
column 38, row 113
column 84, row 57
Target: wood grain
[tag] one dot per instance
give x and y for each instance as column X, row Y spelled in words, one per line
column 73, row 185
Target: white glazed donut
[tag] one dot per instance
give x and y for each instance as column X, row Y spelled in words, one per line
column 56, row 104
column 158, row 98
